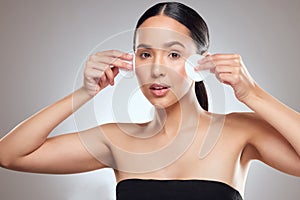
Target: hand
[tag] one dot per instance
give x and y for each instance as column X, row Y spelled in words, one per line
column 102, row 67
column 230, row 69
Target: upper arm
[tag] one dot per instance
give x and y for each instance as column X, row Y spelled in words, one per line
column 62, row 154
column 269, row 146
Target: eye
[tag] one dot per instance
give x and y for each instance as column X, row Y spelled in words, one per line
column 145, row 55
column 174, row 55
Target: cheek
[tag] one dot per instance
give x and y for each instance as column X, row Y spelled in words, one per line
column 182, row 82
column 179, row 79
column 180, row 70
column 143, row 75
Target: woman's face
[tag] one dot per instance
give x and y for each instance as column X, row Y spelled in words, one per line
column 162, row 47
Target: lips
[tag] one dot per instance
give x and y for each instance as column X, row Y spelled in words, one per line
column 159, row 89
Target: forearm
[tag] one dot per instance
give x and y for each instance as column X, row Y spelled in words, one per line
column 32, row 132
column 284, row 119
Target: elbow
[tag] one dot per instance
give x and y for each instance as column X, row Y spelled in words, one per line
column 12, row 164
column 7, row 159
column 8, row 162
column 4, row 163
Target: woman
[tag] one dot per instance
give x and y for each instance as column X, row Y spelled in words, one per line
column 149, row 159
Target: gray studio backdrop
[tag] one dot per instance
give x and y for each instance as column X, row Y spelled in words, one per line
column 43, row 45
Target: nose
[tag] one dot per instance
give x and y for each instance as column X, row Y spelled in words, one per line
column 158, row 67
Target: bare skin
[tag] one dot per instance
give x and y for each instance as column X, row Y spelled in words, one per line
column 262, row 135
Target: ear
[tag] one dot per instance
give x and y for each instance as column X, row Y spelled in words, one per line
column 206, row 53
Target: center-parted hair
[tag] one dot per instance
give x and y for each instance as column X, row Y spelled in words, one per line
column 198, row 32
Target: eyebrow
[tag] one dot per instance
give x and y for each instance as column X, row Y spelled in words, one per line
column 172, row 43
column 166, row 45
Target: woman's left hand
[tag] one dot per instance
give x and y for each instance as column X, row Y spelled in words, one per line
column 230, row 69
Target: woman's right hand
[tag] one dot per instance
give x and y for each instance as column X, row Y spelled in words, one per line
column 102, row 67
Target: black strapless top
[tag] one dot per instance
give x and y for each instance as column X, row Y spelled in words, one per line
column 151, row 189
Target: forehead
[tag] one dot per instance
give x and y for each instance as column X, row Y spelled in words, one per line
column 159, row 30
column 166, row 23
column 159, row 38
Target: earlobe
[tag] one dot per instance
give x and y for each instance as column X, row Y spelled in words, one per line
column 206, row 53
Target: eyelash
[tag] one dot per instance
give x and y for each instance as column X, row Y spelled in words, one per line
column 143, row 55
column 177, row 55
column 174, row 55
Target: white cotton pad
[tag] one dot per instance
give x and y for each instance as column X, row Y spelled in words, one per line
column 190, row 64
column 129, row 73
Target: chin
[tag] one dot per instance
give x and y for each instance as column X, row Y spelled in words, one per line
column 163, row 102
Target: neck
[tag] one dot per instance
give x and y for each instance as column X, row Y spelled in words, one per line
column 183, row 113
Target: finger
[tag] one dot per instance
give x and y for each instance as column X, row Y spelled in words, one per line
column 96, row 65
column 229, row 79
column 102, row 84
column 115, row 71
column 223, row 69
column 205, row 66
column 92, row 88
column 103, row 67
column 209, row 63
column 230, row 62
column 93, row 73
column 116, row 54
column 225, row 56
column 121, row 64
column 109, row 76
column 116, row 62
column 218, row 57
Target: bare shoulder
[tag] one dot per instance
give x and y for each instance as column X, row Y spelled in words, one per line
column 246, row 124
column 247, row 121
column 103, row 133
column 116, row 134
column 98, row 141
column 106, row 129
